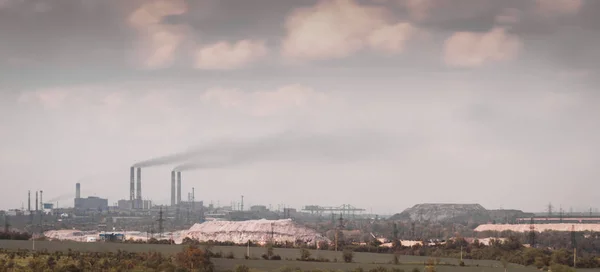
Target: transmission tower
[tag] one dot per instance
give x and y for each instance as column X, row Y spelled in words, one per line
column 532, row 233
column 338, row 231
column 160, row 223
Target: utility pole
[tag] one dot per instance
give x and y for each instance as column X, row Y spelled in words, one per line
column 574, row 245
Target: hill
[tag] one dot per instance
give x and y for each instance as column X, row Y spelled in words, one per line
column 456, row 212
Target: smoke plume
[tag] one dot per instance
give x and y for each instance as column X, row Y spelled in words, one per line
column 291, row 146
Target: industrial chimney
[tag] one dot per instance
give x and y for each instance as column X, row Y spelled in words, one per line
column 178, row 188
column 36, row 201
column 29, row 201
column 77, row 190
column 132, row 186
column 139, row 189
column 41, row 200
column 173, row 194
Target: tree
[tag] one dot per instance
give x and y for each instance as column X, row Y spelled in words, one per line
column 270, row 250
column 348, row 255
column 194, row 258
column 560, row 256
column 304, row 254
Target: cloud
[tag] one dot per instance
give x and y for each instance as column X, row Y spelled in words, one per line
column 558, row 7
column 419, row 9
column 49, row 99
column 469, row 49
column 286, row 99
column 227, row 56
column 391, row 38
column 340, row 28
column 158, row 42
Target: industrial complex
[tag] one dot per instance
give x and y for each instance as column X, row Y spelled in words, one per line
column 92, row 219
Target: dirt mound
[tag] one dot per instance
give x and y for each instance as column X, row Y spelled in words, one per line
column 259, row 231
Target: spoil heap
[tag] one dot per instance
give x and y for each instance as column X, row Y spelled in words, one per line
column 257, row 231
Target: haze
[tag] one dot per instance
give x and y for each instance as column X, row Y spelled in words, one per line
column 463, row 101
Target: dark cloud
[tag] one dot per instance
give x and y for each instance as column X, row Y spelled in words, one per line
column 64, row 34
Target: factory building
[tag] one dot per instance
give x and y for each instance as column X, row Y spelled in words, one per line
column 124, row 204
column 192, row 205
column 89, row 203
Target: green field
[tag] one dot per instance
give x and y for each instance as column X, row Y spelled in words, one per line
column 289, row 256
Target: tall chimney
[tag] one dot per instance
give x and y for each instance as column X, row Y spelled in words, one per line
column 36, row 201
column 132, row 186
column 139, row 188
column 41, row 200
column 173, row 194
column 29, row 201
column 193, row 198
column 178, row 188
column 77, row 190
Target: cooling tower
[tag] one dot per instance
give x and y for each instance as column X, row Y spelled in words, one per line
column 139, row 188
column 132, row 185
column 178, row 188
column 173, row 194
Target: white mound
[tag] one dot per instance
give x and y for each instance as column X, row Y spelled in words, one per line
column 539, row 227
column 70, row 235
column 258, row 231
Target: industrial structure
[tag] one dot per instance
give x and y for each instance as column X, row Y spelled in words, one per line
column 346, row 209
column 89, row 203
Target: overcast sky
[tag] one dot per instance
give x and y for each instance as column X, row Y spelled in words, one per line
column 463, row 101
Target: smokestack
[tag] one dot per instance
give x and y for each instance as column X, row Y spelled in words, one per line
column 77, row 190
column 36, row 201
column 173, row 194
column 193, row 198
column 41, row 201
column 29, row 200
column 178, row 188
column 139, row 188
column 132, row 186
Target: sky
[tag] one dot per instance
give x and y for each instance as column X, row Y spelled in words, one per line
column 382, row 104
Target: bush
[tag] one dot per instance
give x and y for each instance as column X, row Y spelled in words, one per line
column 461, row 263
column 242, row 268
column 561, row 268
column 230, row 255
column 416, row 270
column 304, row 254
column 348, row 255
column 276, row 258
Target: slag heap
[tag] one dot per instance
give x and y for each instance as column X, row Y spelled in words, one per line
column 257, row 231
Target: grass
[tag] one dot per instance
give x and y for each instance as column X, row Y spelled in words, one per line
column 361, row 259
